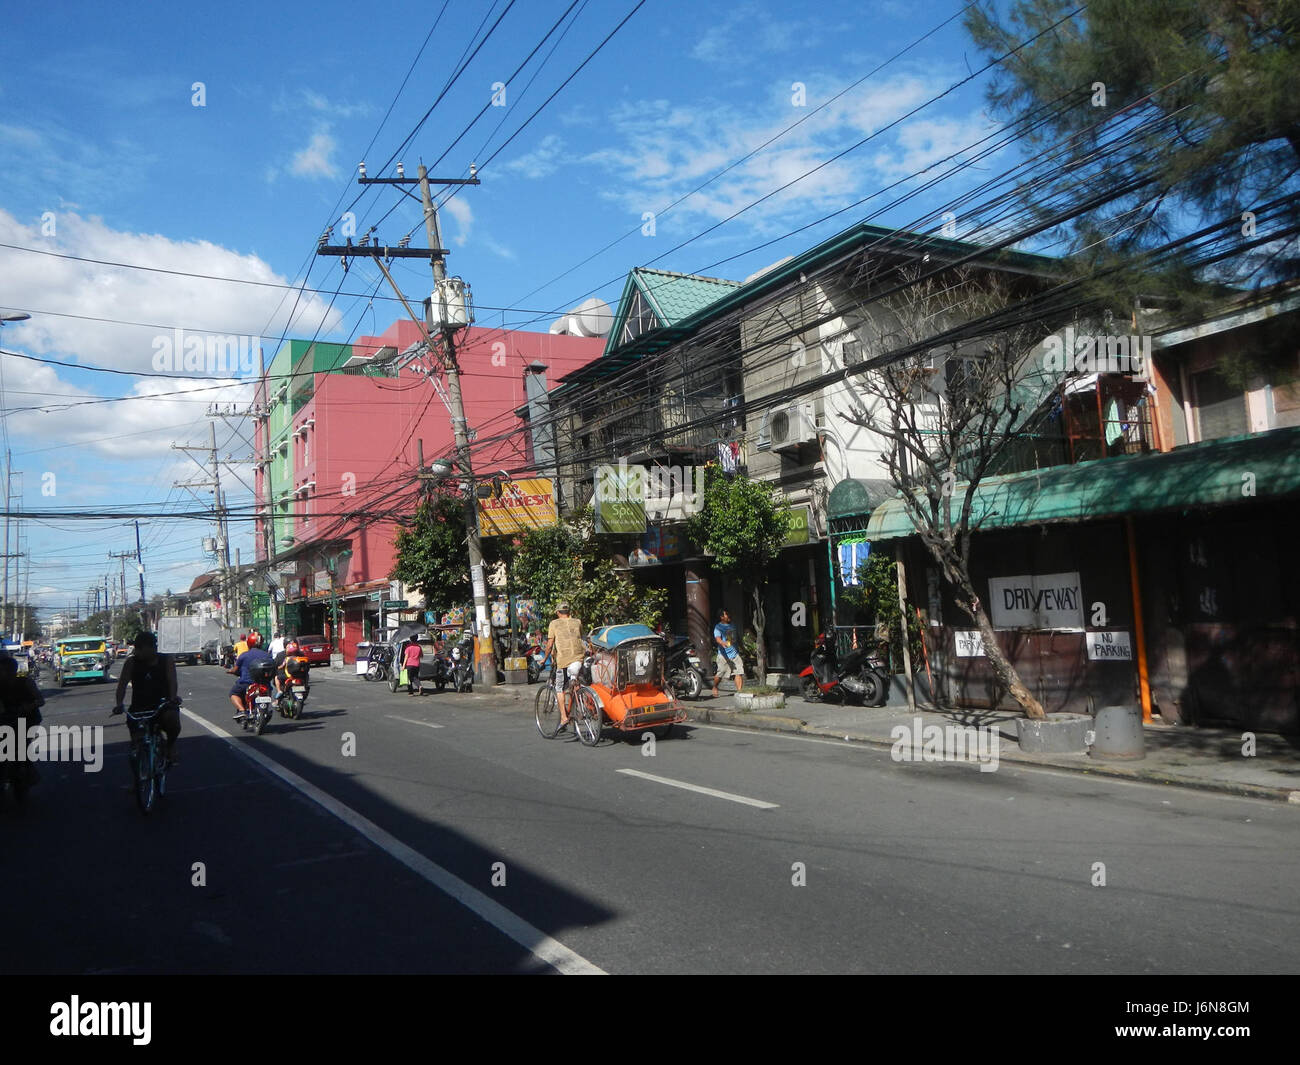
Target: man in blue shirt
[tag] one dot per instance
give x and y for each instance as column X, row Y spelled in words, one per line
column 729, row 660
column 243, row 666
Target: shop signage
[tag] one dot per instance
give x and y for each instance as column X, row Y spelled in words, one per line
column 798, row 534
column 523, row 505
column 1038, row 601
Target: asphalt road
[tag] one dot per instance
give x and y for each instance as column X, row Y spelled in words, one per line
column 453, row 838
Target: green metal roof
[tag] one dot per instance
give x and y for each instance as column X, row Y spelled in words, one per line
column 1237, row 470
column 678, row 296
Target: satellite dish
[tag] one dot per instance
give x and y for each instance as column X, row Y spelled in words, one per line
column 593, row 318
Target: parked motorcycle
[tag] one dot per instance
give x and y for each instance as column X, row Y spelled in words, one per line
column 683, row 669
column 228, row 656
column 461, row 673
column 857, row 676
column 379, row 663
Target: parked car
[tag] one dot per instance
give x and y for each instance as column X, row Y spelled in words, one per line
column 317, row 649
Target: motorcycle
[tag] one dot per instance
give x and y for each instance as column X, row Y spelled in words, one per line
column 379, row 663
column 685, row 673
column 460, row 674
column 228, row 656
column 536, row 655
column 259, row 702
column 858, row 675
column 293, row 695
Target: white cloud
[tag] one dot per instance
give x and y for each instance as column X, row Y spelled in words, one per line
column 459, row 208
column 106, row 296
column 316, row 160
column 659, row 151
column 542, row 161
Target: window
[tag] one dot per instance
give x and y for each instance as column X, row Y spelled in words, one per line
column 1220, row 409
column 640, row 319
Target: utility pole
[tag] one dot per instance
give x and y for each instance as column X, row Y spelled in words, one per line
column 121, row 556
column 219, row 512
column 139, row 565
column 446, row 325
column 8, row 478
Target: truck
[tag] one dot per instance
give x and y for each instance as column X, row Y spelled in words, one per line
column 183, row 637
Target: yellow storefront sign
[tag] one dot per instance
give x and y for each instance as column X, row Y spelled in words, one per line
column 523, row 505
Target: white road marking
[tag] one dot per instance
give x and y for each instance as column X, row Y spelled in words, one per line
column 413, row 721
column 702, row 790
column 534, row 940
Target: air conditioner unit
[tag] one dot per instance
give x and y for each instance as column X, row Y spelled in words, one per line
column 790, row 425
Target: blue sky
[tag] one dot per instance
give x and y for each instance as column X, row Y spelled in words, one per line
column 104, row 156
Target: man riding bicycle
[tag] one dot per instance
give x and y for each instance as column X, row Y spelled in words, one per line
column 152, row 678
column 564, row 639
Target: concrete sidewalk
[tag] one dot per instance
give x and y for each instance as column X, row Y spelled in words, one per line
column 1211, row 759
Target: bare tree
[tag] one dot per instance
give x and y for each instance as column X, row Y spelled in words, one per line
column 955, row 383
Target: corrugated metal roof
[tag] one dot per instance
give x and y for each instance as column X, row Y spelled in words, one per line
column 1237, row 470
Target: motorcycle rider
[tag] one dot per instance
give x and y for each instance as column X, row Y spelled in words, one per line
column 152, row 678
column 243, row 666
column 290, row 661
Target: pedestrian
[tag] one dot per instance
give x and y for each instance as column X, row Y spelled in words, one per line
column 729, row 664
column 411, row 655
column 277, row 645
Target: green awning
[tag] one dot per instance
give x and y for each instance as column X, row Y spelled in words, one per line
column 1238, row 470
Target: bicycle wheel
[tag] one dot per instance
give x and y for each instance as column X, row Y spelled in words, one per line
column 146, row 793
column 586, row 717
column 547, row 711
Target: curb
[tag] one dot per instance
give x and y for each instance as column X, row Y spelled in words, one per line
column 777, row 723
column 768, row 723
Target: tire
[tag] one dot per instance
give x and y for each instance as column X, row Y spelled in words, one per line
column 532, row 672
column 546, row 711
column 873, row 690
column 809, row 690
column 392, row 683
column 586, row 717
column 439, row 685
column 60, row 680
column 146, row 786
column 694, row 683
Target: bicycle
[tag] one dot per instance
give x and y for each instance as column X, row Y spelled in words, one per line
column 584, row 711
column 148, row 756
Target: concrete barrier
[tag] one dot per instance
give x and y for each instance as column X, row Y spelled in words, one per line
column 1054, row 734
column 1118, row 734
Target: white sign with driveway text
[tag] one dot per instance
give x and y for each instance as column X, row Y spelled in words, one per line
column 1038, row 601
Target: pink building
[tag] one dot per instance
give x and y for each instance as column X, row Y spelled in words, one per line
column 340, row 444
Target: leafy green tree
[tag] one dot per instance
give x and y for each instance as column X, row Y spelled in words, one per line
column 432, row 553
column 1158, row 117
column 742, row 524
column 875, row 596
column 568, row 562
